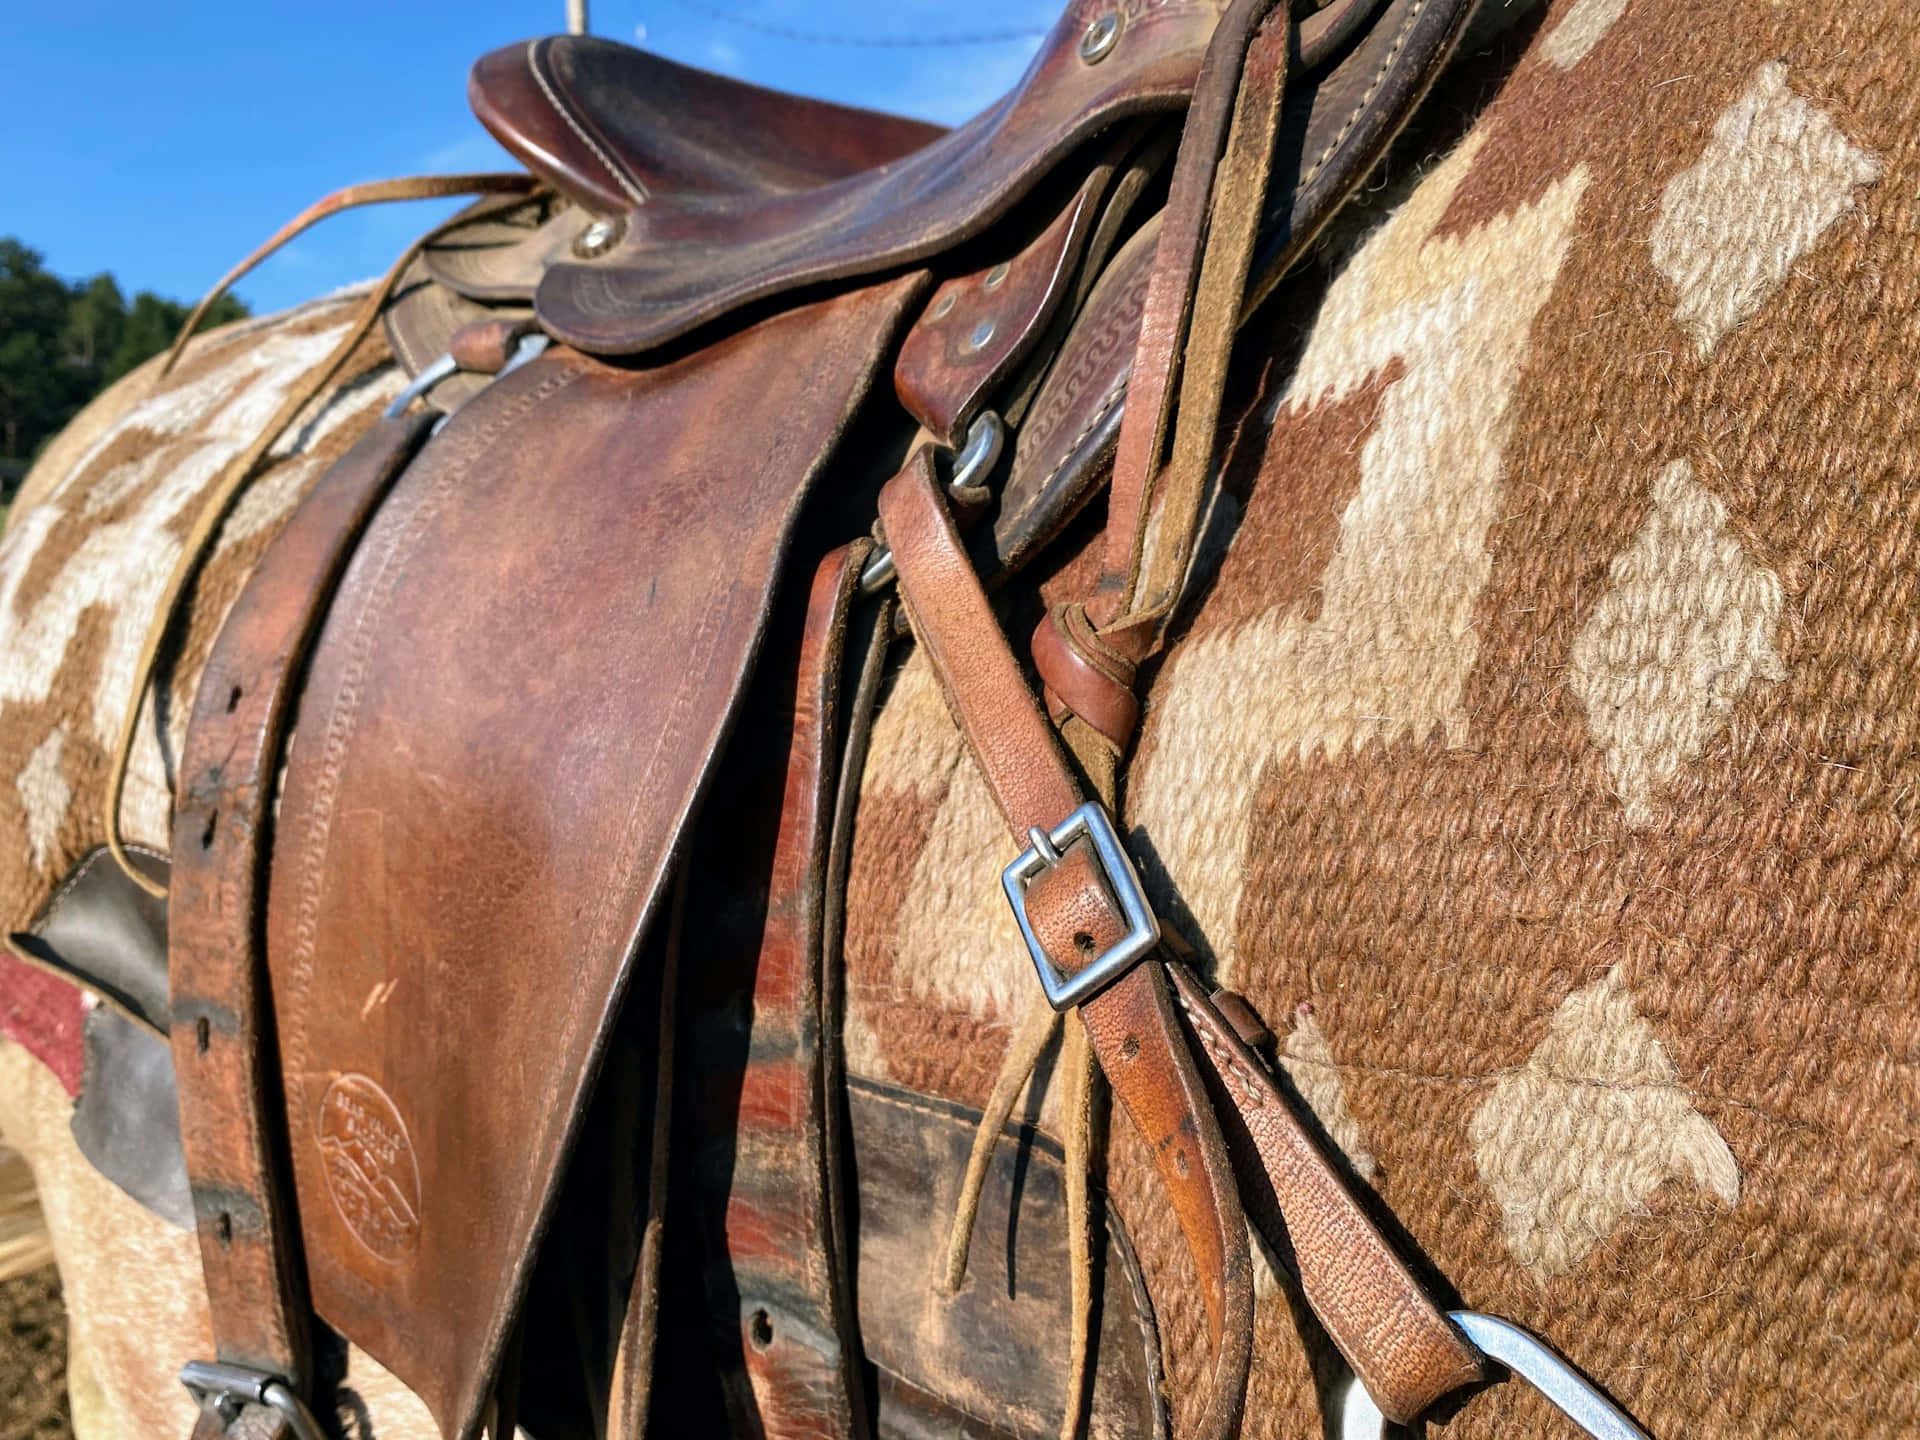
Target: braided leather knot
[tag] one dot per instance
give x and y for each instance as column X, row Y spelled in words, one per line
column 1085, row 674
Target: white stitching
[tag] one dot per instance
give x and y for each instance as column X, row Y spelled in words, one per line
column 1203, row 1027
column 633, row 187
column 1366, row 98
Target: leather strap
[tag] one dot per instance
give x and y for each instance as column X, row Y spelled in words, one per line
column 1135, row 1033
column 779, row 1282
column 1375, row 1310
column 1380, row 1317
column 221, row 1031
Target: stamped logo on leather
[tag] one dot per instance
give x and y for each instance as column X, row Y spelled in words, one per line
column 371, row 1171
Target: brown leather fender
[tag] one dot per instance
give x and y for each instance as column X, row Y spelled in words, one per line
column 515, row 703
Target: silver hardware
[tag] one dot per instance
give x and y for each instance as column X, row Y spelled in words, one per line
column 529, row 345
column 1525, row 1355
column 986, row 437
column 533, row 343
column 982, row 333
column 1100, row 38
column 1091, row 823
column 598, row 238
column 997, row 276
column 420, row 385
column 226, row 1390
column 943, row 306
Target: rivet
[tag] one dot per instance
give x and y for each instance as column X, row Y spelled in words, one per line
column 943, row 306
column 598, row 238
column 997, row 276
column 1100, row 38
column 982, row 333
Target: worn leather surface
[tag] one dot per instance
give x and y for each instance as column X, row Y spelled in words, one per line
column 1340, row 113
column 108, row 934
column 515, row 704
column 221, row 1023
column 758, row 1035
column 501, row 256
column 990, row 1360
column 978, row 327
column 613, row 127
column 127, row 1119
column 1131, row 1023
column 684, row 263
column 1406, row 1353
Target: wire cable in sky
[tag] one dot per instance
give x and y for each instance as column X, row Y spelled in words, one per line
column 880, row 42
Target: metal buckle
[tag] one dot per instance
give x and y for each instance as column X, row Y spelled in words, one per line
column 1091, row 823
column 226, row 1390
column 986, row 437
column 1570, row 1392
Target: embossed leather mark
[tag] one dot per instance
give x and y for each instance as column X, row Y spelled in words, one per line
column 370, row 1166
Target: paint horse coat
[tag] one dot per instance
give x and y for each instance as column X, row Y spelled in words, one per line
column 1538, row 759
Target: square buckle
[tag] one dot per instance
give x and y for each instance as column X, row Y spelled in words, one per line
column 1092, row 823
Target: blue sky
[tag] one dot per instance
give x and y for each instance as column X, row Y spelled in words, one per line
column 163, row 140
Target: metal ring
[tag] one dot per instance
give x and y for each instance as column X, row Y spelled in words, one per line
column 986, row 439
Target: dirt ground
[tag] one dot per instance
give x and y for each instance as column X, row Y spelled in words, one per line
column 33, row 1359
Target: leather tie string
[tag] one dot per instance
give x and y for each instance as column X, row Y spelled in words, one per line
column 213, row 510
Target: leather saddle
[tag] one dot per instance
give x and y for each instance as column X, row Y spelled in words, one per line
column 516, row 801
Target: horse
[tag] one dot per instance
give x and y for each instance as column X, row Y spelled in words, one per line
column 1530, row 761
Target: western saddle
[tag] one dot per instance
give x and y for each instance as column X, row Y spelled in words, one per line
column 517, row 796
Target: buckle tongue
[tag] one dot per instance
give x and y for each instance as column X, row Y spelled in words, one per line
column 1091, row 823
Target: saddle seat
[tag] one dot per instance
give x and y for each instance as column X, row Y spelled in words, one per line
column 611, row 127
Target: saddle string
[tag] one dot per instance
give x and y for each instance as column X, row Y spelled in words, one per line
column 206, row 524
column 371, row 192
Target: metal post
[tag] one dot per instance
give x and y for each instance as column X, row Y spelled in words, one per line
column 576, row 17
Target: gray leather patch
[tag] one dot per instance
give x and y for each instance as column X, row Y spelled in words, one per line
column 106, row 934
column 103, row 931
column 127, row 1121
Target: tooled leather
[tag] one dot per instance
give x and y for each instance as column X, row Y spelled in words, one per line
column 233, row 1142
column 1346, row 99
column 1402, row 1348
column 1131, row 1023
column 502, row 662
column 978, row 327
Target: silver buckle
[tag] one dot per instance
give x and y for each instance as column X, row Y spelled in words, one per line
column 226, row 1390
column 1092, row 823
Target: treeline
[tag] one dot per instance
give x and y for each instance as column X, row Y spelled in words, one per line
column 61, row 343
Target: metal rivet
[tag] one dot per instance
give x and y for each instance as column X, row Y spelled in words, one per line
column 943, row 306
column 598, row 238
column 1100, row 38
column 997, row 276
column 982, row 333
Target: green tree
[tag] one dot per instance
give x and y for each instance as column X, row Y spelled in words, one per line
column 95, row 319
column 152, row 323
column 60, row 343
column 39, row 389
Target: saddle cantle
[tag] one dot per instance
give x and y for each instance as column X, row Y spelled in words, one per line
column 579, row 685
column 612, row 127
